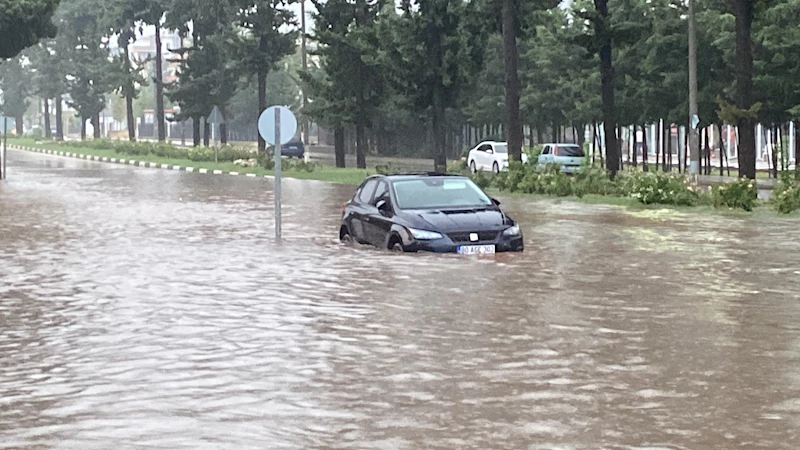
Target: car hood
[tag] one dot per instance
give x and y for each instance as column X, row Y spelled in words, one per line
column 461, row 219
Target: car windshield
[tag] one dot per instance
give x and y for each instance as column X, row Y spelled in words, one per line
column 429, row 193
column 570, row 150
column 500, row 148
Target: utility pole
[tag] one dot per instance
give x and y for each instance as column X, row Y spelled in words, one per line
column 305, row 131
column 694, row 140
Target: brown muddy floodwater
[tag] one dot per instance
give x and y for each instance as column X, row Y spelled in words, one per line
column 143, row 308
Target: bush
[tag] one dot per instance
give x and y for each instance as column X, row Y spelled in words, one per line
column 594, row 180
column 786, row 196
column 549, row 181
column 509, row 180
column 741, row 194
column 660, row 188
column 481, row 179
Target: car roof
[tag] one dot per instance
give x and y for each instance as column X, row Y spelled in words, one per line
column 416, row 175
column 562, row 144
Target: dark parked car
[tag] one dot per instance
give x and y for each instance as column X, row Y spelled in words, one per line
column 293, row 149
column 428, row 212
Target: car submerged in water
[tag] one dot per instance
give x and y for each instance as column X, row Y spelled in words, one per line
column 428, row 213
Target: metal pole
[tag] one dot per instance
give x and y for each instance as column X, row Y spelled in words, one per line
column 5, row 148
column 277, row 174
column 694, row 141
column 304, row 130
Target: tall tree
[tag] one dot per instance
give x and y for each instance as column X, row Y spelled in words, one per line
column 49, row 80
column 345, row 31
column 89, row 69
column 264, row 43
column 23, row 23
column 432, row 50
column 15, row 89
column 744, row 10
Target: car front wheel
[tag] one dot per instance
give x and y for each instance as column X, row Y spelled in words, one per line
column 496, row 168
column 472, row 167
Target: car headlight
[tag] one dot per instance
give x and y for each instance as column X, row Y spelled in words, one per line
column 423, row 235
column 512, row 231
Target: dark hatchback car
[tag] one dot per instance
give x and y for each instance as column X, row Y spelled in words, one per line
column 428, row 212
column 293, row 149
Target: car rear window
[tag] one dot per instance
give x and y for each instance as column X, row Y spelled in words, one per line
column 430, row 193
column 570, row 150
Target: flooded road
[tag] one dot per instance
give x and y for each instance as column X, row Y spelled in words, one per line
column 143, row 308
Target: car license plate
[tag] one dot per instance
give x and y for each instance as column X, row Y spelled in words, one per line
column 476, row 250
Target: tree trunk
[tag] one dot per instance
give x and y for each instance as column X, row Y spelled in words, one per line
column 668, row 165
column 59, row 119
column 580, row 135
column 129, row 102
column 96, row 126
column 83, row 128
column 685, row 152
column 47, row 132
column 708, row 150
column 223, row 133
column 594, row 141
column 513, row 126
column 645, row 149
column 657, row 143
column 743, row 10
column 722, row 151
column 207, row 133
column 262, row 104
column 701, row 158
column 439, row 132
column 19, row 122
column 196, row 131
column 361, row 147
column 635, row 146
column 539, row 137
column 338, row 147
column 159, row 81
column 797, row 149
column 619, row 147
column 530, row 135
column 773, row 138
column 607, row 95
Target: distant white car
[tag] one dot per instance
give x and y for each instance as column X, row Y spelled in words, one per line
column 490, row 156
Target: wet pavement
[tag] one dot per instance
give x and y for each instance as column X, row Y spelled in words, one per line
column 143, row 308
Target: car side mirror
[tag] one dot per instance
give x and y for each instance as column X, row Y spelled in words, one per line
column 490, row 151
column 383, row 206
column 495, row 201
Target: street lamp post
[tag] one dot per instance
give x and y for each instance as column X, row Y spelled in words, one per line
column 694, row 141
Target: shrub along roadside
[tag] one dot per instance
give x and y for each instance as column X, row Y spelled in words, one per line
column 649, row 188
column 786, row 196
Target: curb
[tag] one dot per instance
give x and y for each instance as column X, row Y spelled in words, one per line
column 131, row 162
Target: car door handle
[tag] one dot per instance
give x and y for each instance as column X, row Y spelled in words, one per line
column 367, row 219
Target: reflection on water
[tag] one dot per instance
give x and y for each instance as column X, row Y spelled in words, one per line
column 152, row 308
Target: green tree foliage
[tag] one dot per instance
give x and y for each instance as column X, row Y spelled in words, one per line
column 88, row 68
column 351, row 88
column 15, row 90
column 23, row 23
column 432, row 50
column 263, row 44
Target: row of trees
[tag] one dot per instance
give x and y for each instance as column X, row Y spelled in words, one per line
column 443, row 70
column 226, row 46
column 482, row 66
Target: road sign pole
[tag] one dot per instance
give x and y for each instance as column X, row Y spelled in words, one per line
column 277, row 173
column 5, row 148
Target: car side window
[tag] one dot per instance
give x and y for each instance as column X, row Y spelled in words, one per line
column 367, row 191
column 546, row 150
column 382, row 192
column 485, row 147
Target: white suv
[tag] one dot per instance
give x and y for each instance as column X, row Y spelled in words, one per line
column 490, row 155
